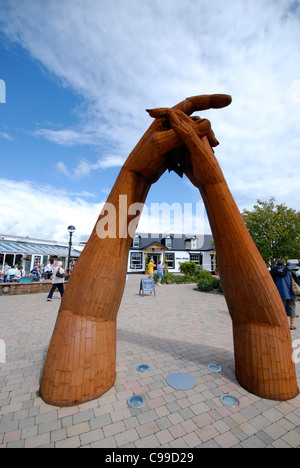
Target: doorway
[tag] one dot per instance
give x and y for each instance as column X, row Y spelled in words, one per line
column 156, row 258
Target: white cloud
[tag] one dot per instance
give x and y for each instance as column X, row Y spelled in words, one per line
column 28, row 209
column 66, row 137
column 140, row 54
column 5, row 135
column 84, row 167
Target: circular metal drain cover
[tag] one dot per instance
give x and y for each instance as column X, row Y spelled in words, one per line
column 181, row 381
column 136, row 401
column 229, row 400
column 214, row 368
column 143, row 368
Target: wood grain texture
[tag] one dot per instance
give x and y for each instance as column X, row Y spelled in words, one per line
column 80, row 363
column 262, row 339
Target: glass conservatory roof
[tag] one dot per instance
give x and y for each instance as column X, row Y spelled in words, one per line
column 29, row 248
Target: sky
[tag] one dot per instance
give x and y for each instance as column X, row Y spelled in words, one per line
column 77, row 75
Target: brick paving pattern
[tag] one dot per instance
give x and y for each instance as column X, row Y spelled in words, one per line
column 179, row 330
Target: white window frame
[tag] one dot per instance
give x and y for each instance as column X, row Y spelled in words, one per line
column 136, row 241
column 136, row 263
column 194, row 243
column 171, row 260
column 169, row 242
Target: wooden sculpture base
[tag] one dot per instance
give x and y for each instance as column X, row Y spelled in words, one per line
column 263, row 363
column 81, row 360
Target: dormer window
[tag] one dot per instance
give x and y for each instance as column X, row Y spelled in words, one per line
column 169, row 242
column 136, row 241
column 194, row 243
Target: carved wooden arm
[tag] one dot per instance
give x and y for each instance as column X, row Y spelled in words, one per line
column 262, row 339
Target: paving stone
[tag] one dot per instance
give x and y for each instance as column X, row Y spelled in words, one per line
column 170, row 342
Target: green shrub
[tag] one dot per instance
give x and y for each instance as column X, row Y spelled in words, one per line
column 205, row 274
column 188, row 268
column 216, row 283
column 205, row 284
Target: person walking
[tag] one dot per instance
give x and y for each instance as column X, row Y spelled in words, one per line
column 58, row 280
column 282, row 277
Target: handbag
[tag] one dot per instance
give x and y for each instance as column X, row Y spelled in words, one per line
column 60, row 275
column 295, row 287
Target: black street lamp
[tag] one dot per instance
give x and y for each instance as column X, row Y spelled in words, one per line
column 71, row 230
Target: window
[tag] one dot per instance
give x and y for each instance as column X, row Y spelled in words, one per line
column 194, row 243
column 136, row 260
column 169, row 242
column 37, row 260
column 212, row 262
column 136, row 241
column 197, row 258
column 169, row 261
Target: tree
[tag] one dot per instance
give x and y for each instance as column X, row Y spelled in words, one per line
column 275, row 230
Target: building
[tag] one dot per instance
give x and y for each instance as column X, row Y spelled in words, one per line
column 29, row 251
column 172, row 249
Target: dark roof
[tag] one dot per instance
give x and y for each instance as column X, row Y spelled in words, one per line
column 179, row 241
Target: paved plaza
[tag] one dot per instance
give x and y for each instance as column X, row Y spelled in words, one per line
column 179, row 330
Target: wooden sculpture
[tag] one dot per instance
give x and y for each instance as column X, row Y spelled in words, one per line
column 81, row 359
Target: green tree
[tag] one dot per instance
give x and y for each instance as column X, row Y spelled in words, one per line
column 275, row 230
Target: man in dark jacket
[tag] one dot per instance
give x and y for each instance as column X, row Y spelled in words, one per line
column 282, row 277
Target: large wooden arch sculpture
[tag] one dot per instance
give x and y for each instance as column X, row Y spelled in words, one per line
column 81, row 359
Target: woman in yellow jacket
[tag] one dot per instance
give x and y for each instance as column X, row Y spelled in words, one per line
column 151, row 266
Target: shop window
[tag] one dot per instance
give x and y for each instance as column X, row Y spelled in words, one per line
column 136, row 260
column 37, row 260
column 170, row 260
column 9, row 259
column 196, row 258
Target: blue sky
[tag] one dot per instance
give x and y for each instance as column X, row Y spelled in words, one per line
column 80, row 74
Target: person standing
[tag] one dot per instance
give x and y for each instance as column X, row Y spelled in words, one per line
column 160, row 272
column 282, row 277
column 49, row 270
column 151, row 266
column 58, row 280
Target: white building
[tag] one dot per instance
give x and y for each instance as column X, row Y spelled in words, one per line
column 172, row 249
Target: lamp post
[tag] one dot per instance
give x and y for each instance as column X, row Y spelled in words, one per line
column 71, row 230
